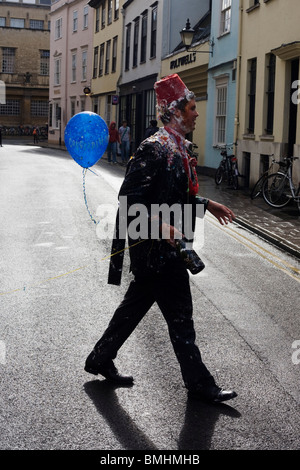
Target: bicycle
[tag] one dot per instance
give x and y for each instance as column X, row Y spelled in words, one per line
column 228, row 168
column 278, row 189
column 257, row 188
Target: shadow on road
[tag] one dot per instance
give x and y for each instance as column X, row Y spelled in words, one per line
column 102, row 393
column 199, row 424
column 196, row 433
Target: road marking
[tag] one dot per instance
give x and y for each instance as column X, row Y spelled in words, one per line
column 2, row 352
column 240, row 238
column 66, row 273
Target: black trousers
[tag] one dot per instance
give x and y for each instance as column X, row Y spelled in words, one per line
column 171, row 290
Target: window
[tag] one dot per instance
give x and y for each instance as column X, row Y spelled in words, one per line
column 58, row 28
column 95, row 64
column 39, row 108
column 135, row 42
column 56, row 114
column 153, row 32
column 36, row 24
column 221, row 110
column 97, row 20
column 73, row 72
column 11, row 108
column 57, row 71
column 103, row 13
column 82, row 104
column 107, row 57
column 73, row 106
column 144, row 37
column 225, row 16
column 17, row 23
column 127, row 52
column 101, row 60
column 8, row 60
column 114, row 54
column 84, row 65
column 252, row 91
column 2, row 21
column 75, row 21
column 109, row 11
column 150, row 107
column 44, row 62
column 85, row 16
column 117, row 7
column 270, row 93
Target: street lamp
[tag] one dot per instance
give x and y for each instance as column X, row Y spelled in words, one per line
column 187, row 35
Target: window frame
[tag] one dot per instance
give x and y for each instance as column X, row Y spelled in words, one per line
column 221, row 108
column 144, row 31
column 225, row 18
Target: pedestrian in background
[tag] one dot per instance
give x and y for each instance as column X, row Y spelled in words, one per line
column 124, row 133
column 35, row 135
column 114, row 139
column 161, row 173
column 151, row 129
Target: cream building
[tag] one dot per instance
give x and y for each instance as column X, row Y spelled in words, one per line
column 192, row 67
column 107, row 55
column 267, row 117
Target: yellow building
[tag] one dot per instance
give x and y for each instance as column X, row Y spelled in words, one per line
column 267, row 115
column 107, row 49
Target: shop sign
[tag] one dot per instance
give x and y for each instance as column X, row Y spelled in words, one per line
column 185, row 60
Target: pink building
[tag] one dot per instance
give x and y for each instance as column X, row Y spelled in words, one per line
column 71, row 41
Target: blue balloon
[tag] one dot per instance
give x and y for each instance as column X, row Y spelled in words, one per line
column 86, row 138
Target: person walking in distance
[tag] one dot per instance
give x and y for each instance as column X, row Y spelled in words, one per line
column 124, row 133
column 151, row 129
column 114, row 139
column 161, row 172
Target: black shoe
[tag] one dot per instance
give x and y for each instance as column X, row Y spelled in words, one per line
column 213, row 394
column 109, row 371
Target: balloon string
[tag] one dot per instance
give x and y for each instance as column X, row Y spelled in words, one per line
column 84, row 194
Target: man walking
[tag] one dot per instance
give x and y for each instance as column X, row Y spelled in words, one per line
column 161, row 172
column 124, row 132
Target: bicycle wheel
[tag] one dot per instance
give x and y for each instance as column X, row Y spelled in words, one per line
column 257, row 188
column 276, row 190
column 219, row 175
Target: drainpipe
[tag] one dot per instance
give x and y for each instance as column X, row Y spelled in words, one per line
column 238, row 74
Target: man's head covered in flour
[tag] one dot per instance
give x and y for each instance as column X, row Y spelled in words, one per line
column 171, row 93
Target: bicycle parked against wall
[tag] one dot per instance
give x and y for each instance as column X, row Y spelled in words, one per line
column 228, row 168
column 257, row 188
column 278, row 189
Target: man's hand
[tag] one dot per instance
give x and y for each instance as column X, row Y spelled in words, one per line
column 221, row 212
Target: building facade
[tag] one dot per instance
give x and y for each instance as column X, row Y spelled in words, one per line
column 70, row 64
column 107, row 56
column 222, row 78
column 24, row 65
column 192, row 66
column 268, row 120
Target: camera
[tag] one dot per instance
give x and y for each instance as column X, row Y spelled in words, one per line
column 192, row 261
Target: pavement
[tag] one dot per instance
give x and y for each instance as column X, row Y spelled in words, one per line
column 280, row 227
